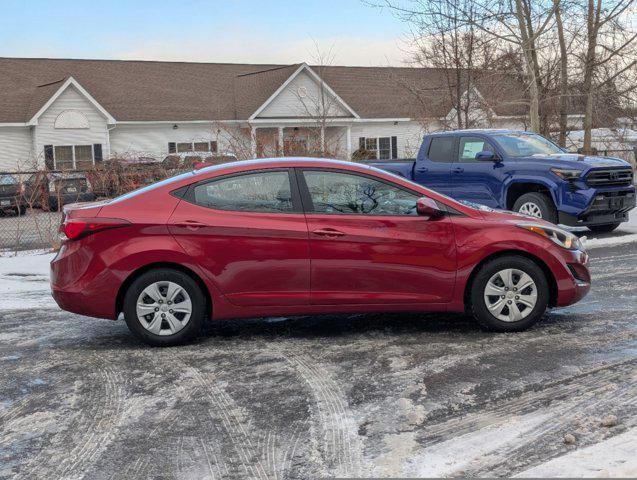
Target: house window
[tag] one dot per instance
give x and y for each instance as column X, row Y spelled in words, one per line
column 73, row 157
column 186, row 147
column 383, row 147
column 64, row 157
column 83, row 157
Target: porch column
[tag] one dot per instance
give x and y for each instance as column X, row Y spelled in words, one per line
column 280, row 142
column 253, row 142
column 349, row 142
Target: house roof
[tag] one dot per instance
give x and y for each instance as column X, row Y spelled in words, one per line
column 180, row 91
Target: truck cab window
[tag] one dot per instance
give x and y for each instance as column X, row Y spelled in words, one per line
column 441, row 149
column 470, row 146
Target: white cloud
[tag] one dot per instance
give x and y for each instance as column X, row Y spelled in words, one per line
column 346, row 50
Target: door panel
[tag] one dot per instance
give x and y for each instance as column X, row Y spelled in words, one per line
column 254, row 258
column 434, row 171
column 381, row 259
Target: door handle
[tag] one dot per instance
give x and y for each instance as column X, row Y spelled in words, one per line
column 190, row 224
column 422, row 170
column 328, row 232
column 457, row 170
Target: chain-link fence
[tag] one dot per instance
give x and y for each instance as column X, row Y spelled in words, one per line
column 31, row 203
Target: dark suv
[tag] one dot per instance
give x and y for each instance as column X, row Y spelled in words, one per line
column 11, row 195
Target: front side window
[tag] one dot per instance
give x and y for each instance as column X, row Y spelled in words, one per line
column 526, row 145
column 257, row 192
column 441, row 149
column 344, row 193
column 471, row 146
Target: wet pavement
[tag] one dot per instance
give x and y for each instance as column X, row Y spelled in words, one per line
column 382, row 395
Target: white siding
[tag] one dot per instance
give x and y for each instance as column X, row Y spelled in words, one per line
column 289, row 104
column 15, row 149
column 152, row 139
column 409, row 135
column 71, row 99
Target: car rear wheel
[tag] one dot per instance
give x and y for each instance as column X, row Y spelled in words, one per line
column 164, row 307
column 509, row 294
column 537, row 205
column 604, row 228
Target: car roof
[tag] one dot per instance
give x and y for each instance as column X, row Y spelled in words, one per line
column 284, row 162
column 481, row 130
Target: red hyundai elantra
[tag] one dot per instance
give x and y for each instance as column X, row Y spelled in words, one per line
column 305, row 236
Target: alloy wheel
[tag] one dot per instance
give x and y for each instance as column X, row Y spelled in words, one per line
column 164, row 308
column 531, row 209
column 510, row 295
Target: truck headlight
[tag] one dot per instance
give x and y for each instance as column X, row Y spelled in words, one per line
column 566, row 174
column 561, row 237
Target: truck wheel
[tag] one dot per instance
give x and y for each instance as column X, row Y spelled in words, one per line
column 537, row 205
column 604, row 228
column 509, row 294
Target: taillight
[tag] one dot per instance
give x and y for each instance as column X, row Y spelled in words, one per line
column 80, row 227
column 22, row 189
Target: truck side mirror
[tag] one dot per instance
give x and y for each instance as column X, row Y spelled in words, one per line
column 426, row 207
column 487, row 156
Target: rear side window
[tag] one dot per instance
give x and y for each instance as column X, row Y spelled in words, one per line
column 257, row 192
column 441, row 149
column 470, row 146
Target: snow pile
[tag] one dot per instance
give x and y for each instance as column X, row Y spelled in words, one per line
column 24, row 281
column 613, row 458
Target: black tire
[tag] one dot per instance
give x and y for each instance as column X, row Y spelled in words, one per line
column 21, row 210
column 197, row 298
column 544, row 203
column 478, row 307
column 609, row 227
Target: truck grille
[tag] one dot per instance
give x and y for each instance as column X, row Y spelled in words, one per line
column 614, row 177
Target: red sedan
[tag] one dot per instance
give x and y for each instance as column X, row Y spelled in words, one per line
column 305, row 236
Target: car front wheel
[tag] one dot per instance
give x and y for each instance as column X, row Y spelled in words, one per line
column 164, row 307
column 508, row 294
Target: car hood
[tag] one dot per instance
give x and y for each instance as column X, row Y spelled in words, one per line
column 508, row 216
column 577, row 161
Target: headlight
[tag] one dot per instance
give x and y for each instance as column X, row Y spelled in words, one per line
column 566, row 174
column 556, row 235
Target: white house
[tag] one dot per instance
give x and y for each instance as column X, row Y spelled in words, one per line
column 69, row 114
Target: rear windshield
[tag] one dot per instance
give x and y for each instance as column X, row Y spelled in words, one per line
column 7, row 180
column 152, row 186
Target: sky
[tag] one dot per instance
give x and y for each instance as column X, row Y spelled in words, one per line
column 250, row 31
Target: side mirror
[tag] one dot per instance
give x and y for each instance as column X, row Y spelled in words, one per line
column 487, row 156
column 426, row 207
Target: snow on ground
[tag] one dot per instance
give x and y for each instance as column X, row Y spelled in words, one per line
column 614, row 457
column 24, row 280
column 625, row 233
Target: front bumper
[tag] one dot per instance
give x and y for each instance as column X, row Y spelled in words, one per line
column 576, row 282
column 603, row 207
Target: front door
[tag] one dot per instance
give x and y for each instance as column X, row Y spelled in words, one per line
column 248, row 232
column 368, row 245
column 475, row 180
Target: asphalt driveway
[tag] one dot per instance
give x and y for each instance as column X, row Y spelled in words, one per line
column 383, row 395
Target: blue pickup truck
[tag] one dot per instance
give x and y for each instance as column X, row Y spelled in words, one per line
column 523, row 172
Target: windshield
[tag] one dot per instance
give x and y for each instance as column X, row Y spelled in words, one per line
column 526, row 145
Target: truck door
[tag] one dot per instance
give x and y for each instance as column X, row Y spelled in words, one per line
column 433, row 167
column 474, row 180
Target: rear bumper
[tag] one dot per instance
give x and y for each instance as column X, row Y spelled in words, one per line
column 81, row 284
column 10, row 203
